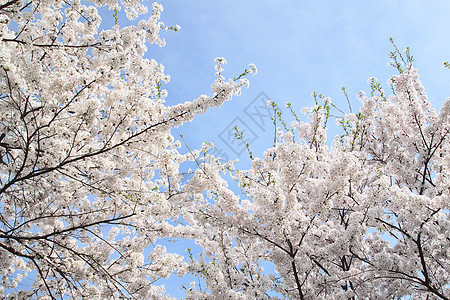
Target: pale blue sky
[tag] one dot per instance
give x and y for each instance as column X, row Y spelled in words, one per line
column 299, row 47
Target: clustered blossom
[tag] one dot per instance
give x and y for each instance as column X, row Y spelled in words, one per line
column 366, row 218
column 88, row 166
column 90, row 178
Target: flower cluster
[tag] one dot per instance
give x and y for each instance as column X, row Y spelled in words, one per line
column 365, row 218
column 88, row 166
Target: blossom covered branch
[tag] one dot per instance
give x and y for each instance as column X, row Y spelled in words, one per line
column 88, row 165
column 364, row 218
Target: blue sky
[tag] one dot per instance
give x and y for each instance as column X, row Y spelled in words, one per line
column 298, row 47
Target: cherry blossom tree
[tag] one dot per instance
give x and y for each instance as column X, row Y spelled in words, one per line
column 88, row 166
column 365, row 217
column 89, row 177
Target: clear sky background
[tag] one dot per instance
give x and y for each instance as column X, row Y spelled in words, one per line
column 298, row 47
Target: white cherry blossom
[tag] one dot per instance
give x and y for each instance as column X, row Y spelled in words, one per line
column 366, row 218
column 88, row 166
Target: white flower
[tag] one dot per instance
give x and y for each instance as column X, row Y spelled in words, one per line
column 220, row 60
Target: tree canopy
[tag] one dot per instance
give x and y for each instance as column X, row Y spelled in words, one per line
column 364, row 218
column 90, row 177
column 88, row 165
